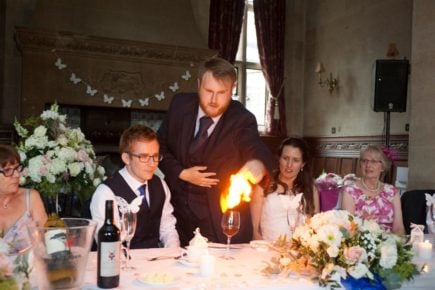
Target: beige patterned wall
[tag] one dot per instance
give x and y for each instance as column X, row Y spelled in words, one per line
column 348, row 36
column 422, row 132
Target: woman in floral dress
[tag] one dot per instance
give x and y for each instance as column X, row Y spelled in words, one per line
column 369, row 197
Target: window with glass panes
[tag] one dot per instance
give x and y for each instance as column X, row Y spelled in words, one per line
column 252, row 90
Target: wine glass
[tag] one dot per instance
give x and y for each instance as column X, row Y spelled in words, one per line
column 230, row 225
column 128, row 228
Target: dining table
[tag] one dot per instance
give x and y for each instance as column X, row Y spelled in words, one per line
column 242, row 271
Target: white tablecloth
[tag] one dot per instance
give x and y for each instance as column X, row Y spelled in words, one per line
column 243, row 272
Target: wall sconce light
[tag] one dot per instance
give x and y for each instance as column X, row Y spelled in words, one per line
column 331, row 83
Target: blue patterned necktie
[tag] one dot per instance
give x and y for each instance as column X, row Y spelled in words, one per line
column 142, row 190
column 198, row 142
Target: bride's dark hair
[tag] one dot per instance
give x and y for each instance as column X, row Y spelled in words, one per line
column 304, row 181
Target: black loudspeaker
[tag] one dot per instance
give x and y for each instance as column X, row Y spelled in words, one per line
column 390, row 85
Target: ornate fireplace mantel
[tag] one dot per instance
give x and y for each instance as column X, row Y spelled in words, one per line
column 83, row 70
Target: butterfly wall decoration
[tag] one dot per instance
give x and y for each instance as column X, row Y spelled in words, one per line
column 186, row 76
column 59, row 64
column 174, row 87
column 108, row 99
column 75, row 79
column 90, row 90
column 144, row 102
column 160, row 96
column 126, row 103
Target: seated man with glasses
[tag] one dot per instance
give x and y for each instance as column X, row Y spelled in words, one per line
column 140, row 152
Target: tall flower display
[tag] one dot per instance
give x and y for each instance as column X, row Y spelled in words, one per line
column 338, row 249
column 57, row 158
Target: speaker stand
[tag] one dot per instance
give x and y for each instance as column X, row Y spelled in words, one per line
column 387, row 129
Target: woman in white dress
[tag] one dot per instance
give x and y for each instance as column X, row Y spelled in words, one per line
column 291, row 191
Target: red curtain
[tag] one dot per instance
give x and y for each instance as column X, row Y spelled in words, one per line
column 226, row 19
column 270, row 26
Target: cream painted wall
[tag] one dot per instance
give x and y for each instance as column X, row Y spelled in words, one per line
column 422, row 121
column 348, row 36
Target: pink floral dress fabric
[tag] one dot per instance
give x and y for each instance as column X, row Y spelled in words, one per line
column 379, row 208
column 17, row 236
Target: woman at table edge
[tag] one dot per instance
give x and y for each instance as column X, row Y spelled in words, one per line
column 18, row 206
column 369, row 197
column 293, row 176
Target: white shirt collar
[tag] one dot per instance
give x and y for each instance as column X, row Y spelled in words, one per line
column 132, row 182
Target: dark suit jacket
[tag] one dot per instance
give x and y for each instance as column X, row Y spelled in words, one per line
column 234, row 141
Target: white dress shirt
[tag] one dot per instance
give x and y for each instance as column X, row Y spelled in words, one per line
column 168, row 233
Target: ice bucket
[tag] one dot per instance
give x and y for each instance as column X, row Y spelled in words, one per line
column 61, row 254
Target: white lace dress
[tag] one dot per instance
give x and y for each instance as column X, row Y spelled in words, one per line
column 274, row 221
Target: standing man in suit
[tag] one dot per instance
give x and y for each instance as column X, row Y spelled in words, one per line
column 205, row 138
column 140, row 152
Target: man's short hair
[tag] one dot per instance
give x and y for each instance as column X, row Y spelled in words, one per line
column 220, row 68
column 133, row 134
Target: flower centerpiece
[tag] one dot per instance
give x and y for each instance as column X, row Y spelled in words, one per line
column 338, row 249
column 57, row 158
column 327, row 181
column 14, row 269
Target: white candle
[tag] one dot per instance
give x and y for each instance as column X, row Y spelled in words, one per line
column 206, row 265
column 425, row 250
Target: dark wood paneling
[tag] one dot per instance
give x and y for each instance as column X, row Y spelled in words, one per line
column 341, row 154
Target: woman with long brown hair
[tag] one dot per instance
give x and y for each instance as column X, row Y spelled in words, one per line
column 291, row 192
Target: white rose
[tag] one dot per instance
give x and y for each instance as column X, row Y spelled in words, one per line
column 96, row 182
column 35, row 164
column 52, row 144
column 332, row 251
column 62, row 140
column 358, row 271
column 90, row 170
column 23, row 155
column 75, row 168
column 57, row 166
column 284, row 261
column 51, row 178
column 101, row 170
column 67, row 154
column 388, row 254
column 372, row 226
column 40, row 131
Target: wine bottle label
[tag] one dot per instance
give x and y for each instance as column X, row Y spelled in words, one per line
column 55, row 241
column 110, row 258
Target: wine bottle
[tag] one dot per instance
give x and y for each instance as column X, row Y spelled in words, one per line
column 60, row 266
column 109, row 247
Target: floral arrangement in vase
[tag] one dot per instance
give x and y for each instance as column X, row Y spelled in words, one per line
column 338, row 249
column 14, row 268
column 331, row 180
column 57, row 158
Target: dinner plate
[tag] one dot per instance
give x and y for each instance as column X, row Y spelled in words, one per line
column 156, row 280
column 260, row 245
column 187, row 263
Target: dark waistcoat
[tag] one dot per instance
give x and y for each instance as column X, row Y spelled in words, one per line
column 148, row 219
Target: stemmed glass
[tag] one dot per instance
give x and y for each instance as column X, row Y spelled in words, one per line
column 128, row 228
column 296, row 216
column 230, row 224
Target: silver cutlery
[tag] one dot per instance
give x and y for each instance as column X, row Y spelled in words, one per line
column 163, row 258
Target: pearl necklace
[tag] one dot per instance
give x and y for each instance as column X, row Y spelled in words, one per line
column 369, row 189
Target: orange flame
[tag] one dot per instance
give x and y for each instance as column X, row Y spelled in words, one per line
column 240, row 189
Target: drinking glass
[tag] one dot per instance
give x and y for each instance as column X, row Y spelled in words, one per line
column 128, row 228
column 230, row 225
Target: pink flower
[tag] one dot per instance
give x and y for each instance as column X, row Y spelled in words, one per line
column 354, row 255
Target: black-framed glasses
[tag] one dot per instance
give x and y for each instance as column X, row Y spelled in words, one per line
column 8, row 172
column 145, row 158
